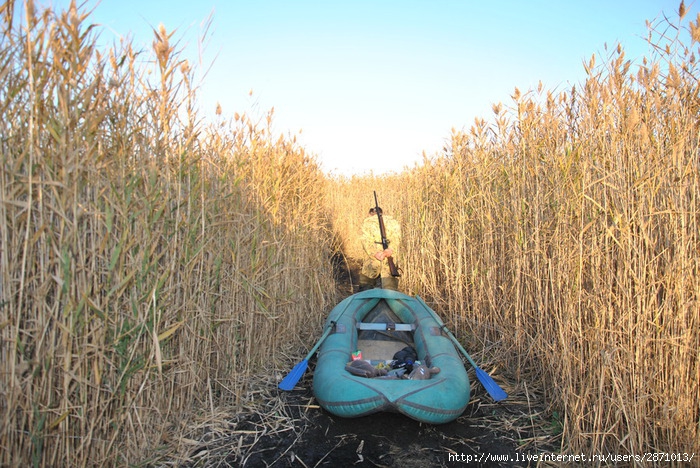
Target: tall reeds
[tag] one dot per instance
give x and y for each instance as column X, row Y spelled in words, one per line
column 149, row 261
column 565, row 233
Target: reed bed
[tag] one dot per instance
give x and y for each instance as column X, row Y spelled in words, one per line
column 154, row 265
column 149, row 261
column 563, row 236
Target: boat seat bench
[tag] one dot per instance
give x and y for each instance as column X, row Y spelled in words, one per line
column 409, row 327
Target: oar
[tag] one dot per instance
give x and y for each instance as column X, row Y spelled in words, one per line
column 290, row 381
column 496, row 392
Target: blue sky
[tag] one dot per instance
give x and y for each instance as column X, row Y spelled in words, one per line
column 373, row 84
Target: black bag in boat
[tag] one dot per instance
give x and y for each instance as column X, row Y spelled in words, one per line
column 405, row 359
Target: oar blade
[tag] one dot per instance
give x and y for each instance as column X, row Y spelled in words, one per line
column 491, row 387
column 290, row 381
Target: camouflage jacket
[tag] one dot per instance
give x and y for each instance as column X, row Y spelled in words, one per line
column 372, row 243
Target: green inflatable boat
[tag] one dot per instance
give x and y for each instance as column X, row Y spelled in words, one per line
column 377, row 323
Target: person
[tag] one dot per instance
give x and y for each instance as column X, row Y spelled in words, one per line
column 374, row 264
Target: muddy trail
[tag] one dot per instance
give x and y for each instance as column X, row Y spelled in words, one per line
column 289, row 429
column 297, row 433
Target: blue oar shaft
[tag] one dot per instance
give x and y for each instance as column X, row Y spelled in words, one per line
column 329, row 328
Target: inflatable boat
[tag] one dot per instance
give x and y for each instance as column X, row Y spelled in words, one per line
column 373, row 326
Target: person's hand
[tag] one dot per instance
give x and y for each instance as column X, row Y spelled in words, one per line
column 381, row 255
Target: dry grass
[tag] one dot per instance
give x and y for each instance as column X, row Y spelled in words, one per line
column 148, row 261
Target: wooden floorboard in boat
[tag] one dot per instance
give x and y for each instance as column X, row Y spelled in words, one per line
column 379, row 350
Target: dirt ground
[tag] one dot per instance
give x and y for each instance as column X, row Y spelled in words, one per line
column 289, row 429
